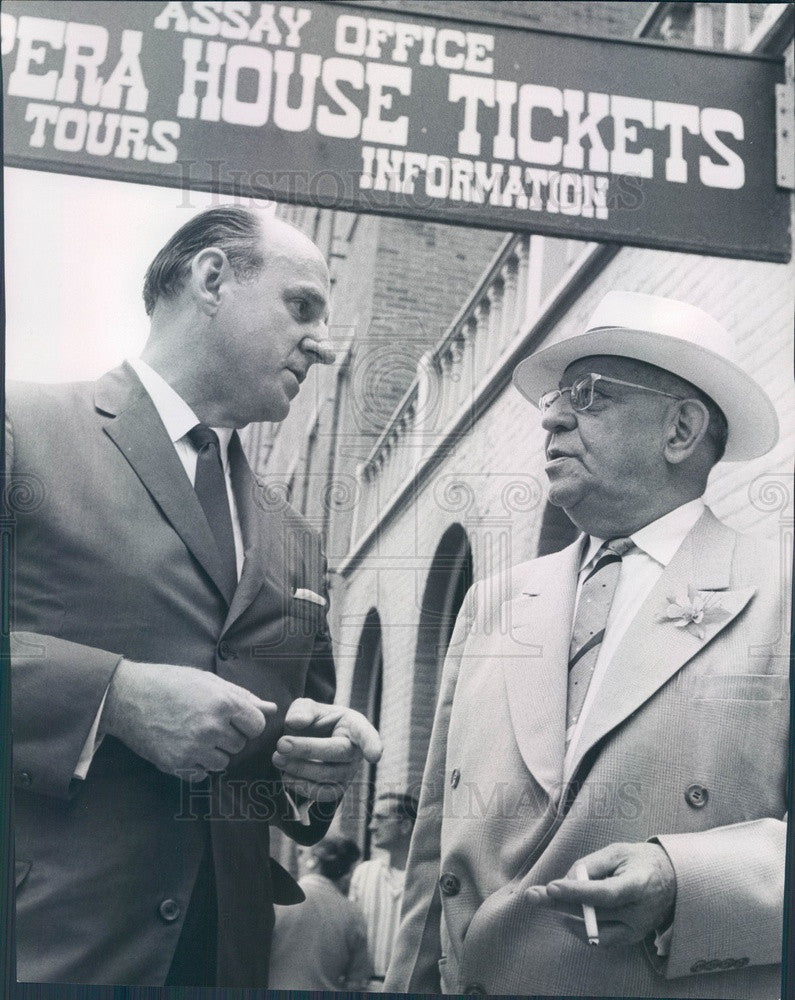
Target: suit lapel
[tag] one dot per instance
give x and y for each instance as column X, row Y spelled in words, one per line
column 140, row 436
column 533, row 651
column 266, row 535
column 653, row 649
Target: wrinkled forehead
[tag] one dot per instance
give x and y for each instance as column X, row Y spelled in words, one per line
column 615, row 366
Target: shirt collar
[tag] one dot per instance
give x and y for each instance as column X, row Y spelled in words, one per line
column 178, row 418
column 661, row 538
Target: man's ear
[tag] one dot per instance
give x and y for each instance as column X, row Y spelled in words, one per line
column 208, row 271
column 686, row 430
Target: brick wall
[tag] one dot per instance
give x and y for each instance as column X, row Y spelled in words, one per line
column 609, row 18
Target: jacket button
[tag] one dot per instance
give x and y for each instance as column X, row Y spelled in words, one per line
column 455, row 777
column 476, row 989
column 225, row 651
column 696, row 796
column 169, row 910
column 449, row 884
column 24, row 780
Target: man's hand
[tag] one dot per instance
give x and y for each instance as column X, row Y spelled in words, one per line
column 185, row 721
column 632, row 887
column 322, row 748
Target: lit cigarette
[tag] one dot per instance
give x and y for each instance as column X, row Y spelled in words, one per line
column 588, row 912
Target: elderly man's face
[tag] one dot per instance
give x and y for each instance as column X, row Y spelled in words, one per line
column 610, row 456
column 269, row 325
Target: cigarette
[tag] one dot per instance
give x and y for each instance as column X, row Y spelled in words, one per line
column 588, row 912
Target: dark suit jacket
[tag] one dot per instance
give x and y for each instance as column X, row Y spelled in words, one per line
column 112, row 557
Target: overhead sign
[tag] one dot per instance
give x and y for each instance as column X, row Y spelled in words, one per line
column 343, row 106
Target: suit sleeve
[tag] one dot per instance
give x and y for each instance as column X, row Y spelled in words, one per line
column 414, row 964
column 729, row 897
column 57, row 688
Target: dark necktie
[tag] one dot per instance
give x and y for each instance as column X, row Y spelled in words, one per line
column 210, row 486
column 593, row 608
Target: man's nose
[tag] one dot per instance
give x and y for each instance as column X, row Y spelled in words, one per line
column 317, row 348
column 559, row 416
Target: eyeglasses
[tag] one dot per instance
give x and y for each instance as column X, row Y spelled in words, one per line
column 581, row 392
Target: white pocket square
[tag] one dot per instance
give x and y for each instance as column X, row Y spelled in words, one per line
column 302, row 594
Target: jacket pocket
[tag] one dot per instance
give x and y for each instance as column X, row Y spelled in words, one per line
column 305, row 610
column 741, row 687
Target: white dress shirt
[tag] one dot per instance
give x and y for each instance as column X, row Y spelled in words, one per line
column 641, row 568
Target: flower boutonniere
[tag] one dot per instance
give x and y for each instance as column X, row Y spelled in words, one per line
column 694, row 610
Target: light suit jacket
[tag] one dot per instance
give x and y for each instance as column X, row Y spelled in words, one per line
column 112, row 557
column 686, row 741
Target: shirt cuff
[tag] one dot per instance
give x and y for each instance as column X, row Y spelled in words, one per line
column 91, row 745
column 300, row 809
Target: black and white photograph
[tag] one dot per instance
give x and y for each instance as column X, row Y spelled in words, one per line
column 398, row 516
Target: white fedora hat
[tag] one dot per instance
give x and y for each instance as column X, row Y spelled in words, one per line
column 677, row 337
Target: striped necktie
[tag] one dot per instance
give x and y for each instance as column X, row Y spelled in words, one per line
column 596, row 596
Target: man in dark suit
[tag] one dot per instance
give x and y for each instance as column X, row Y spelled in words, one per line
column 171, row 663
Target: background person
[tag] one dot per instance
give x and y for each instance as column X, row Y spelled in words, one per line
column 321, row 944
column 377, row 885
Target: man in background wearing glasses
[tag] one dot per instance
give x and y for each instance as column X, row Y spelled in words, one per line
column 612, row 725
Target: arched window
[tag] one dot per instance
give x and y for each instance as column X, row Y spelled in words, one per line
column 366, row 694
column 449, row 578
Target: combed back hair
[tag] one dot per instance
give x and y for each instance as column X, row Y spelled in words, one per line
column 404, row 805
column 236, row 231
column 335, row 856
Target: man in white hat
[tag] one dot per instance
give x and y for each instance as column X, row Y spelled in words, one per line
column 623, row 834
